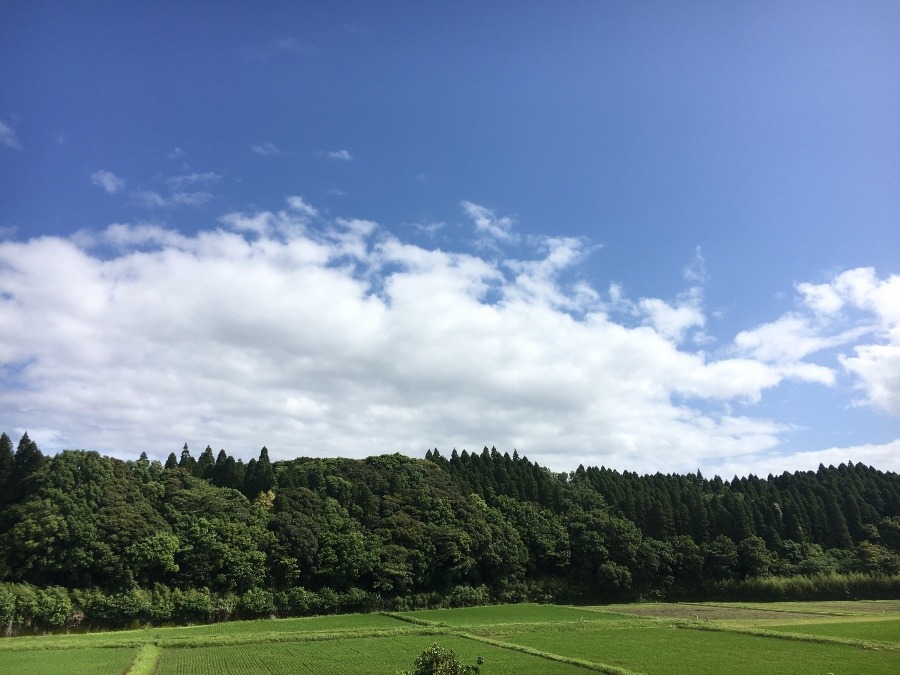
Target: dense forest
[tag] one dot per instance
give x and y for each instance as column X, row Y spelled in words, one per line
column 90, row 540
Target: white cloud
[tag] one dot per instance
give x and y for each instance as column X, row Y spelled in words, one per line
column 343, row 155
column 672, row 321
column 297, row 204
column 884, row 456
column 786, row 340
column 8, row 137
column 108, row 181
column 487, row 223
column 876, row 363
column 333, row 337
column 821, row 298
column 429, row 228
column 539, row 279
column 266, row 149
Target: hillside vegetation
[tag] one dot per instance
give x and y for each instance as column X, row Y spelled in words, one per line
column 91, row 540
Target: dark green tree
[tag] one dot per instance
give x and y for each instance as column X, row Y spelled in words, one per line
column 187, row 462
column 720, row 558
column 26, row 461
column 206, row 464
column 6, row 468
column 259, row 476
column 754, row 559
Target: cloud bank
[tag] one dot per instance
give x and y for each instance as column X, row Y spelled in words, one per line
column 334, row 337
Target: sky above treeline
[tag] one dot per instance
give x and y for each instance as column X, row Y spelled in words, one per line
column 651, row 236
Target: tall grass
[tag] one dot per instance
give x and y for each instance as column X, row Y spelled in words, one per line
column 825, row 586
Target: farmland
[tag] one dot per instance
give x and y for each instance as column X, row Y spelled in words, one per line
column 835, row 637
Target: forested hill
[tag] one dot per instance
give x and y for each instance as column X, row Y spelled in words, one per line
column 279, row 537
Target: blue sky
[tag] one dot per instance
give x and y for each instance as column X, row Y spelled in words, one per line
column 653, row 236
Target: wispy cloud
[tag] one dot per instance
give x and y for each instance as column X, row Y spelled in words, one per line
column 155, row 200
column 8, row 136
column 108, row 181
column 339, row 154
column 675, row 319
column 276, row 47
column 186, row 180
column 430, row 228
column 266, row 149
column 298, row 204
column 289, row 44
column 487, row 223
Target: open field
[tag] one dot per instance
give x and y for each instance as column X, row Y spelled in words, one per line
column 852, row 637
column 354, row 656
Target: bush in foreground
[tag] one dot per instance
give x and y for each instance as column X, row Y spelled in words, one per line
column 438, row 661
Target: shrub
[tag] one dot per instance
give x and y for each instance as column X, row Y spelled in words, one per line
column 438, row 661
column 192, row 605
column 53, row 607
column 257, row 602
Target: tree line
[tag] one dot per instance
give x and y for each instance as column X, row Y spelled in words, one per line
column 94, row 539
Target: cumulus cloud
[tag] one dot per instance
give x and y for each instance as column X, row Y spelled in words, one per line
column 877, row 363
column 672, row 321
column 108, row 181
column 266, row 149
column 8, row 137
column 852, row 306
column 343, row 155
column 319, row 336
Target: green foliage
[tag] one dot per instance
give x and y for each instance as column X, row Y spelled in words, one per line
column 436, row 660
column 210, row 539
column 720, row 558
column 6, row 468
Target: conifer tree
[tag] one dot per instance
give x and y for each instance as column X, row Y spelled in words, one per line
column 6, row 467
column 26, row 461
column 206, row 464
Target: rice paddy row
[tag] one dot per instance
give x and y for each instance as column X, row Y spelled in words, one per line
column 652, row 638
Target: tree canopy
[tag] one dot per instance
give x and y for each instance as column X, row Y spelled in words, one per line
column 471, row 527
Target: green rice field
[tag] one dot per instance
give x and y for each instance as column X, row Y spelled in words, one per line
column 852, row 637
